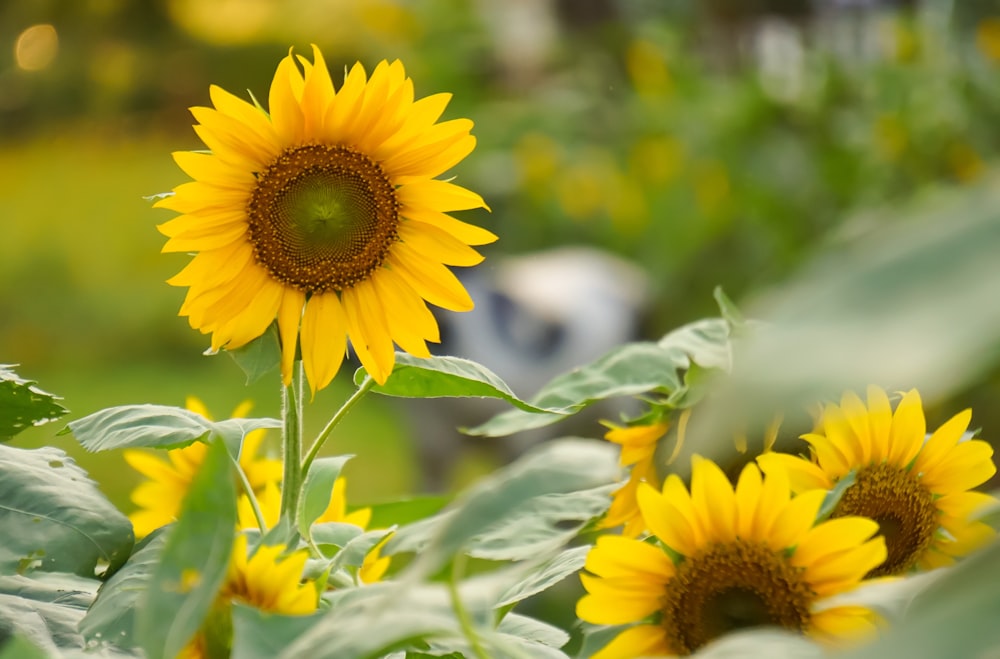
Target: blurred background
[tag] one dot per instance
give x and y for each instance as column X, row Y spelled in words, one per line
column 712, row 142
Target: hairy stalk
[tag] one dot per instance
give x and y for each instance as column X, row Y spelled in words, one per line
column 291, row 446
column 254, row 504
column 365, row 386
column 464, row 620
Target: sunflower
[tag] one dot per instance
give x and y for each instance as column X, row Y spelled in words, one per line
column 638, row 451
column 374, row 565
column 269, row 501
column 916, row 488
column 324, row 215
column 159, row 498
column 731, row 559
column 263, row 580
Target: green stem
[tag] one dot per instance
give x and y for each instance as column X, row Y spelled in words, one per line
column 464, row 619
column 291, row 444
column 365, row 386
column 254, row 504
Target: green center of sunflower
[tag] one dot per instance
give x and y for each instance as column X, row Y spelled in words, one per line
column 322, row 217
column 732, row 586
column 904, row 509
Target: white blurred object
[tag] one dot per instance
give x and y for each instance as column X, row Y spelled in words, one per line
column 536, row 316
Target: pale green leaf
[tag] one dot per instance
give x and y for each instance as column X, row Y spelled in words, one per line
column 259, row 357
column 54, row 518
column 261, row 635
column 45, row 609
column 193, row 564
column 318, row 490
column 545, row 576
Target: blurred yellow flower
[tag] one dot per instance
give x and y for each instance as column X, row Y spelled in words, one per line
column 159, row 498
column 916, row 488
column 738, row 558
column 638, row 449
column 325, row 215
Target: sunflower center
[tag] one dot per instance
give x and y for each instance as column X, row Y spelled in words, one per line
column 732, row 586
column 322, row 218
column 903, row 508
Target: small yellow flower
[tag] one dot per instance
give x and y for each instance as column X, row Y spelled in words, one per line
column 916, row 488
column 737, row 559
column 269, row 501
column 638, row 451
column 325, row 215
column 159, row 498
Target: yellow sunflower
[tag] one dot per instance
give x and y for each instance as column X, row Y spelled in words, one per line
column 265, row 581
column 638, row 451
column 159, row 498
column 916, row 488
column 374, row 566
column 325, row 215
column 269, row 500
column 735, row 559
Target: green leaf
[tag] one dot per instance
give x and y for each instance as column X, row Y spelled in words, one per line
column 730, row 312
column 954, row 616
column 54, row 518
column 112, row 615
column 45, row 610
column 533, row 630
column 833, row 497
column 259, row 357
column 547, row 575
column 163, row 426
column 23, row 405
column 766, row 643
column 261, row 635
column 704, row 342
column 440, row 377
column 354, row 552
column 318, row 490
column 194, row 560
column 540, row 525
column 557, row 467
column 337, row 534
column 631, row 369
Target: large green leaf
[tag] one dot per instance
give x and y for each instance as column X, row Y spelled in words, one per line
column 130, row 426
column 45, row 610
column 631, row 369
column 112, row 615
column 545, row 576
column 439, row 377
column 557, row 467
column 23, row 405
column 954, row 616
column 54, row 518
column 194, row 560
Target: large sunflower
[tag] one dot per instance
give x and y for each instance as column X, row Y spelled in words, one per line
column 325, row 215
column 159, row 498
column 734, row 559
column 916, row 488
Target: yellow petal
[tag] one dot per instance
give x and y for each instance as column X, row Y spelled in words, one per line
column 324, row 339
column 367, row 328
column 880, row 422
column 438, row 245
column 289, row 318
column 438, row 195
column 433, row 281
column 283, row 102
column 748, row 490
column 665, row 520
column 802, row 474
column 638, row 641
column 714, row 500
column 832, row 537
column 797, row 518
column 908, row 430
column 617, row 601
column 615, row 556
column 942, row 441
column 967, row 465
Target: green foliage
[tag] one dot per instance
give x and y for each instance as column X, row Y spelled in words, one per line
column 438, row 377
column 54, row 518
column 162, row 426
column 45, row 609
column 22, row 404
column 317, row 490
column 194, row 560
column 259, row 357
column 259, row 635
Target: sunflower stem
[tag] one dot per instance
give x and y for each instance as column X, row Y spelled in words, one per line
column 254, row 504
column 291, row 444
column 464, row 619
column 324, row 434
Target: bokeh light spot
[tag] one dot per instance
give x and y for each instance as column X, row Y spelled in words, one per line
column 36, row 47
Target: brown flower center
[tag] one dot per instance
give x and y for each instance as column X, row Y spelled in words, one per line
column 732, row 586
column 904, row 509
column 322, row 218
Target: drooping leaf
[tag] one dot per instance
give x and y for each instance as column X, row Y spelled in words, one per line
column 22, row 404
column 317, row 490
column 540, row 525
column 557, row 467
column 631, row 369
column 547, row 575
column 261, row 635
column 440, row 377
column 132, row 426
column 112, row 615
column 45, row 610
column 193, row 562
column 259, row 357
column 53, row 517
